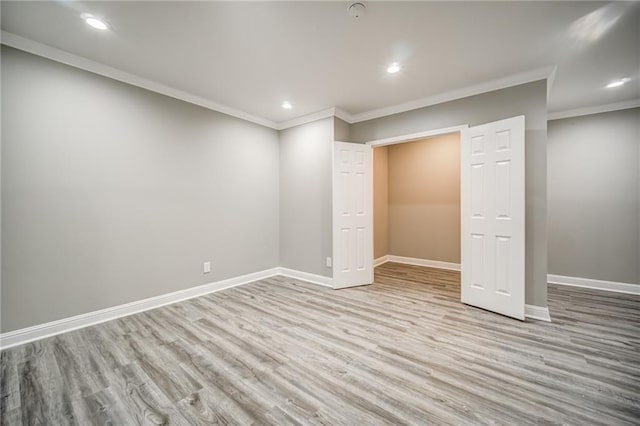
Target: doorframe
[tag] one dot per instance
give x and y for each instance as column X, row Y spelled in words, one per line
column 412, row 137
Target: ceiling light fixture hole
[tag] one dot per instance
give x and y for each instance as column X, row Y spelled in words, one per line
column 357, row 10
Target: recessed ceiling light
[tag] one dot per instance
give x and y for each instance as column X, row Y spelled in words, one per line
column 287, row 105
column 393, row 68
column 94, row 22
column 617, row 83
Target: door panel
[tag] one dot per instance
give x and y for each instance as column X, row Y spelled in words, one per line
column 493, row 217
column 353, row 215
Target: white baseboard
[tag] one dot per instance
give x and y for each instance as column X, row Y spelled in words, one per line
column 614, row 286
column 41, row 331
column 379, row 261
column 594, row 284
column 306, row 276
column 537, row 312
column 423, row 262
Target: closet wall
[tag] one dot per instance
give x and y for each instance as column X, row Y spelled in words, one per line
column 423, row 199
column 380, row 202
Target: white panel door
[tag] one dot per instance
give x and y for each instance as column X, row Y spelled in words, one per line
column 352, row 215
column 493, row 217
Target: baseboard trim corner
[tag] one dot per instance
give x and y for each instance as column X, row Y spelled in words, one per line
column 306, row 276
column 381, row 260
column 424, row 262
column 540, row 313
column 64, row 325
column 593, row 284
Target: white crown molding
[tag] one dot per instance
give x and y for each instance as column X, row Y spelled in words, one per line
column 613, row 286
column 343, row 115
column 308, row 118
column 551, row 80
column 489, row 86
column 540, row 313
column 578, row 112
column 76, row 61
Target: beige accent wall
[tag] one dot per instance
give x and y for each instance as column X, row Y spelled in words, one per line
column 424, row 199
column 380, row 202
column 417, row 199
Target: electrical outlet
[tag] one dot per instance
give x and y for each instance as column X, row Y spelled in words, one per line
column 206, row 266
column 329, row 262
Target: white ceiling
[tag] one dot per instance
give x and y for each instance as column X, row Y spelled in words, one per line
column 253, row 56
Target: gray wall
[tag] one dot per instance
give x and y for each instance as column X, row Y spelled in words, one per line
column 594, row 196
column 111, row 193
column 341, row 130
column 529, row 100
column 306, row 196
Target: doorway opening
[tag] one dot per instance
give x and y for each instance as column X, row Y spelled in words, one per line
column 417, row 201
column 491, row 214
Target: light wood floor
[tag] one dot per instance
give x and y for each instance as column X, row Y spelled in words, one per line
column 281, row 351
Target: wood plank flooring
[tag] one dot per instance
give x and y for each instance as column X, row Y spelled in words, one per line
column 282, row 351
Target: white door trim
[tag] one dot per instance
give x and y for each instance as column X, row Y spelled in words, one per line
column 416, row 136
